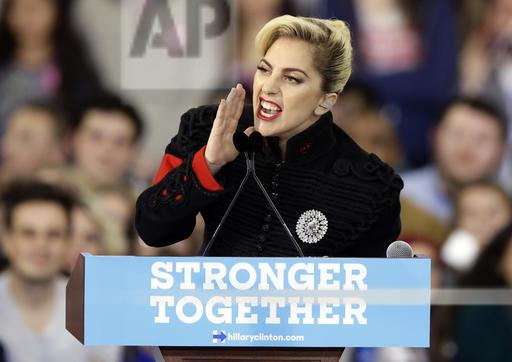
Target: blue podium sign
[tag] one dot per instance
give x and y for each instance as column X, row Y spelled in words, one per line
column 255, row 302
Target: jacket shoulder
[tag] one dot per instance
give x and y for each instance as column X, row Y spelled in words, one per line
column 370, row 190
column 351, row 159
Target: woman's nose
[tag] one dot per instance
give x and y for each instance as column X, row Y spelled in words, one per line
column 270, row 86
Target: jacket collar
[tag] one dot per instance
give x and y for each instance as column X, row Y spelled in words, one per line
column 305, row 146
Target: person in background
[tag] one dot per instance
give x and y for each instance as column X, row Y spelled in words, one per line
column 406, row 51
column 94, row 231
column 34, row 139
column 37, row 225
column 482, row 209
column 43, row 56
column 469, row 144
column 475, row 333
column 119, row 204
column 486, row 65
column 105, row 141
column 486, row 53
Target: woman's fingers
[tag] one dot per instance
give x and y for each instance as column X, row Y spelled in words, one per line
column 229, row 103
column 220, row 148
column 229, row 111
column 238, row 107
column 240, row 104
column 220, row 116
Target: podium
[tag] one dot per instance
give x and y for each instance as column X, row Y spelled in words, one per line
column 249, row 309
column 250, row 354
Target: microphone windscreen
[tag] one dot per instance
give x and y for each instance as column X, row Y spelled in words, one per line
column 241, row 141
column 399, row 249
column 255, row 142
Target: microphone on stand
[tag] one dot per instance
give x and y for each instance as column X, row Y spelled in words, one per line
column 245, row 144
column 241, row 142
column 256, row 144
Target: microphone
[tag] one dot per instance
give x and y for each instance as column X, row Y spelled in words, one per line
column 255, row 142
column 241, row 142
column 245, row 144
column 399, row 249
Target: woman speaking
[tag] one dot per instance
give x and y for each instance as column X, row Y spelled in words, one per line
column 335, row 198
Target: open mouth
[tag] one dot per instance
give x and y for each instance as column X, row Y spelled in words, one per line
column 268, row 110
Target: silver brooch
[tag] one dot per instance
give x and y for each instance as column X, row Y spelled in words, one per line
column 311, row 226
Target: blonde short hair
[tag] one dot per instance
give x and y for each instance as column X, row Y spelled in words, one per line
column 331, row 41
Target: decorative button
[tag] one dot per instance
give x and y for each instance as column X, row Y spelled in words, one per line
column 370, row 167
column 268, row 218
column 311, row 226
column 305, row 147
column 275, row 177
column 265, row 227
column 341, row 167
column 274, row 185
column 274, row 195
column 259, row 248
column 262, row 238
column 279, row 166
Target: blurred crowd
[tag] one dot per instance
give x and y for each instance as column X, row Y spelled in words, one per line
column 431, row 95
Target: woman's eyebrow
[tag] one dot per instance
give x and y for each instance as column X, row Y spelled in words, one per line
column 286, row 69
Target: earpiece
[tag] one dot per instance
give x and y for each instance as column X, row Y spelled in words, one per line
column 327, row 104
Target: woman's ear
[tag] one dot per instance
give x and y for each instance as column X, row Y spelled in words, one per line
column 327, row 102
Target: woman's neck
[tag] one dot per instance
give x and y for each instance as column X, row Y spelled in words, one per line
column 33, row 56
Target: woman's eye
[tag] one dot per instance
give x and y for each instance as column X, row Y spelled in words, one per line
column 292, row 79
column 262, row 69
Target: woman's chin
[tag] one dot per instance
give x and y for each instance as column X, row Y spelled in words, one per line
column 262, row 128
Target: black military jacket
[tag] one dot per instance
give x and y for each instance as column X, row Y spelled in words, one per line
column 336, row 199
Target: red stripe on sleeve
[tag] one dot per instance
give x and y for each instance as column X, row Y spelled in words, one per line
column 169, row 162
column 203, row 173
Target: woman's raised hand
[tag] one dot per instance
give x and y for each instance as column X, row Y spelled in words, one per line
column 220, row 148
